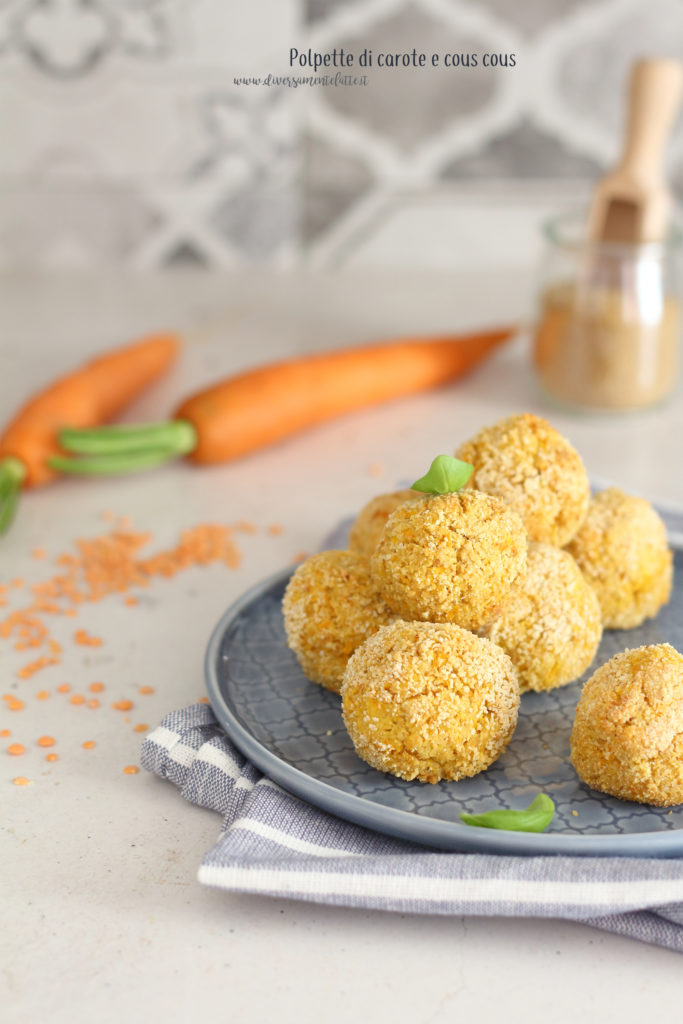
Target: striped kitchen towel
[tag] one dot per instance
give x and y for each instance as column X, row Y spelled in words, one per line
column 276, row 844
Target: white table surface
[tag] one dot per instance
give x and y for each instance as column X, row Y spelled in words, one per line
column 103, row 918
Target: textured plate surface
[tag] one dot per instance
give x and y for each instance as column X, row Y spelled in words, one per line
column 293, row 731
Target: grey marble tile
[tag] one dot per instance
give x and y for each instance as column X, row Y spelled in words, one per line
column 316, row 10
column 592, row 76
column 524, row 151
column 71, row 38
column 186, row 256
column 333, row 182
column 408, row 105
column 530, row 16
column 73, row 225
column 258, row 219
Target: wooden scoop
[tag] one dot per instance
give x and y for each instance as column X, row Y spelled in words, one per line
column 632, row 204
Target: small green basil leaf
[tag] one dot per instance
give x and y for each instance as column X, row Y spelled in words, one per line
column 534, row 818
column 445, row 475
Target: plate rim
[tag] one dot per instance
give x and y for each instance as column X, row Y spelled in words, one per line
column 433, row 832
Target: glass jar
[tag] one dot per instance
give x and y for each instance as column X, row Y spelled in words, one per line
column 608, row 329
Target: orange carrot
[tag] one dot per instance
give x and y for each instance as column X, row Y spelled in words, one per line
column 89, row 396
column 265, row 405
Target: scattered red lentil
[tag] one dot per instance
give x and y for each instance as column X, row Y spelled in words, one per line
column 275, row 530
column 109, row 564
column 99, row 567
column 301, row 556
column 15, row 749
column 122, row 705
column 376, row 469
column 35, row 666
column 203, row 700
column 82, row 637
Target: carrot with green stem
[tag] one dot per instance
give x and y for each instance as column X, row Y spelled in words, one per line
column 259, row 407
column 95, row 393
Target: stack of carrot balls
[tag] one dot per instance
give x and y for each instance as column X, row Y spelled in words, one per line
column 496, row 575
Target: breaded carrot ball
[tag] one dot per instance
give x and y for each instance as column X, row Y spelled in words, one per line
column 331, row 605
column 623, row 552
column 369, row 525
column 527, row 464
column 627, row 738
column 450, row 558
column 429, row 701
column 551, row 625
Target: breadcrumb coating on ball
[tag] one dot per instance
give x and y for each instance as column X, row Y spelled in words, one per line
column 330, row 606
column 450, row 558
column 429, row 701
column 369, row 525
column 623, row 552
column 551, row 626
column 627, row 739
column 532, row 468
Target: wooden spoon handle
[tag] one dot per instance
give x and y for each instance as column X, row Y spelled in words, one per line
column 654, row 95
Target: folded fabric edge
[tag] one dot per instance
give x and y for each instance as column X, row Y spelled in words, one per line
column 347, row 883
column 645, row 926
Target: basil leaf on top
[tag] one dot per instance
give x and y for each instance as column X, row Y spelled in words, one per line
column 444, row 476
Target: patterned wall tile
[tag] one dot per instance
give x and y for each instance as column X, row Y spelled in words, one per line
column 131, row 144
column 593, row 70
column 70, row 38
column 404, row 105
column 316, row 10
column 523, row 151
column 333, row 182
column 533, row 15
column 72, row 226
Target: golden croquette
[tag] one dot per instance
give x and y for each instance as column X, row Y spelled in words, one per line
column 532, row 468
column 450, row 558
column 627, row 738
column 623, row 552
column 429, row 701
column 551, row 625
column 369, row 525
column 330, row 606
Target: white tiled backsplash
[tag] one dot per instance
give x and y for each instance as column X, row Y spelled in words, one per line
column 128, row 143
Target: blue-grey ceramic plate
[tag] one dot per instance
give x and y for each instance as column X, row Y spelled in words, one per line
column 293, row 731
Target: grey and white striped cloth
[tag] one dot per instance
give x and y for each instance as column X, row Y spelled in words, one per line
column 276, row 844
